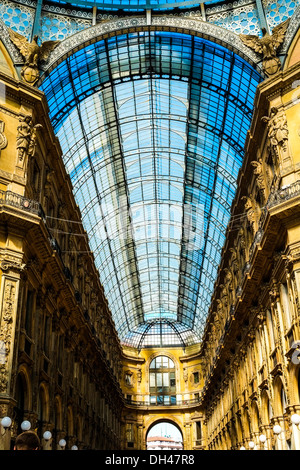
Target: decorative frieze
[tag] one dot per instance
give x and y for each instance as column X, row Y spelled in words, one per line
column 8, row 308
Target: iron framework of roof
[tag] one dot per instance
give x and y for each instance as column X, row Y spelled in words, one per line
column 152, row 127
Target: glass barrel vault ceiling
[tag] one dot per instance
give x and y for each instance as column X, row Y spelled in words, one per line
column 135, row 5
column 152, row 127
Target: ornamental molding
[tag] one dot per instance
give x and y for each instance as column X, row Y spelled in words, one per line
column 229, row 6
column 291, row 31
column 116, row 25
column 15, row 55
column 191, row 26
column 8, row 264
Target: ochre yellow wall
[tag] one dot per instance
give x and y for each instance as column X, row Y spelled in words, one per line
column 294, row 52
column 187, row 408
column 6, row 65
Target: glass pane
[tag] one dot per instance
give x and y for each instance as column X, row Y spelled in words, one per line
column 152, row 380
column 165, row 362
column 166, row 379
column 159, row 379
column 166, row 400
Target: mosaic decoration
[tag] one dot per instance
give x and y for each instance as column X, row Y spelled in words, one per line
column 59, row 27
column 279, row 11
column 17, row 17
column 62, row 20
column 243, row 19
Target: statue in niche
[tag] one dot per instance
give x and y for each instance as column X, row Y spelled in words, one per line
column 220, row 309
column 278, row 133
column 258, row 171
column 234, row 261
column 267, row 46
column 33, row 54
column 26, row 137
column 250, row 212
column 224, row 300
column 3, row 139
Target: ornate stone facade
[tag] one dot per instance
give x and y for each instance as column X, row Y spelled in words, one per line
column 60, row 359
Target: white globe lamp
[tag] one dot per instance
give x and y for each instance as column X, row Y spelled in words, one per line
column 62, row 443
column 295, row 419
column 277, row 429
column 47, row 435
column 6, row 422
column 25, row 426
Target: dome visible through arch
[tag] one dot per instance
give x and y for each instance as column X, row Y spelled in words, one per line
column 152, row 126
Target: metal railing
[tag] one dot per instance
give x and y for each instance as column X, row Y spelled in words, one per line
column 284, row 194
column 176, row 401
column 8, row 198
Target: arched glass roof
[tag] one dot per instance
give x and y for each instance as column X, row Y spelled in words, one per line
column 136, row 5
column 152, row 127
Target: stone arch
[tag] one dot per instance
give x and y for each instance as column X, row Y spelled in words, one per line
column 293, row 53
column 70, row 421
column 156, row 420
column 78, row 428
column 239, row 428
column 291, row 45
column 23, row 388
column 295, row 385
column 265, row 408
column 116, row 27
column 255, row 418
column 58, row 414
column 246, row 423
column 44, row 403
column 10, row 51
column 6, row 62
column 279, row 393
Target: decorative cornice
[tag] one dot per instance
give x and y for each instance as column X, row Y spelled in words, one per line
column 191, row 26
column 291, row 31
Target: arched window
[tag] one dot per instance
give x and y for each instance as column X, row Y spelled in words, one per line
column 20, row 397
column 162, row 381
column 29, row 312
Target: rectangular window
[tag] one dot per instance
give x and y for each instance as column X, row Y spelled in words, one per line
column 196, row 377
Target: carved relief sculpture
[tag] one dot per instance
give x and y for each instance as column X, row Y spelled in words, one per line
column 6, row 332
column 26, row 138
column 32, row 53
column 250, row 212
column 267, row 46
column 258, row 171
column 278, row 134
column 3, row 139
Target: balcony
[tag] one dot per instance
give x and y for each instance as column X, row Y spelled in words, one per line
column 8, row 198
column 284, row 194
column 161, row 401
